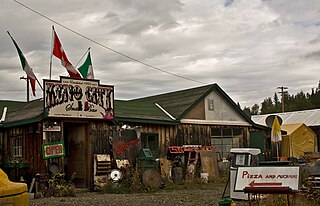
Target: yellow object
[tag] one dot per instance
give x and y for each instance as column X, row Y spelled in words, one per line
column 299, row 139
column 13, row 193
column 233, row 203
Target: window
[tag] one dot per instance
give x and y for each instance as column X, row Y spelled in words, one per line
column 17, row 147
column 210, row 104
column 223, row 139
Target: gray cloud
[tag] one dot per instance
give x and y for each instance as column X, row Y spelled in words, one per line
column 248, row 47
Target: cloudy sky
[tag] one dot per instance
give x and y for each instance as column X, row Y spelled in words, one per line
column 247, row 47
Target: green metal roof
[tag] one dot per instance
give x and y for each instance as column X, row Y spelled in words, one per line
column 19, row 113
column 139, row 112
column 179, row 102
column 14, row 105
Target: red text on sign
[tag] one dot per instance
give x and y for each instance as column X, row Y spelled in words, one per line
column 54, row 150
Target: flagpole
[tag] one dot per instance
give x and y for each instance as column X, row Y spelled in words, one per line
column 27, row 80
column 83, row 56
column 277, row 147
column 50, row 69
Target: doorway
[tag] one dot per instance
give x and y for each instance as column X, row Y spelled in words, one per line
column 76, row 161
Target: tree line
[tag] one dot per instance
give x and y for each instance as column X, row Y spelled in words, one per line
column 297, row 102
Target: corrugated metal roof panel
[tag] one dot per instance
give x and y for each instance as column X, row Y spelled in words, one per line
column 308, row 117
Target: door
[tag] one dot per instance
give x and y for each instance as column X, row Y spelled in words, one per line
column 76, row 163
column 257, row 141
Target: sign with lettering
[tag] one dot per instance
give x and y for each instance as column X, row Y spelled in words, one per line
column 285, row 176
column 189, row 148
column 78, row 98
column 49, row 126
column 53, row 150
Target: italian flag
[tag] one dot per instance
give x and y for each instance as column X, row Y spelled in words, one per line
column 86, row 68
column 26, row 67
column 60, row 54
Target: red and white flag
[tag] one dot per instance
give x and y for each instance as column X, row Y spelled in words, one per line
column 60, row 54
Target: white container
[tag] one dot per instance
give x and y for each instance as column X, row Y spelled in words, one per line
column 204, row 176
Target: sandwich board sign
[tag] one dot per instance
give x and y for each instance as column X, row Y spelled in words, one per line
column 282, row 176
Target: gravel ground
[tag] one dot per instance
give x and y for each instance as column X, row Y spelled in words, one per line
column 186, row 197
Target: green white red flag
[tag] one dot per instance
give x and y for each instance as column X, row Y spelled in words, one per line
column 86, row 68
column 26, row 67
column 60, row 54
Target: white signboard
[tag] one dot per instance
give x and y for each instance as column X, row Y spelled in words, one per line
column 54, row 128
column 286, row 176
column 78, row 98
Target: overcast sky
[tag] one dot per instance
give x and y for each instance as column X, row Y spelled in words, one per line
column 247, row 47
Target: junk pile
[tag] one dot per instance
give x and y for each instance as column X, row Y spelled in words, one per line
column 189, row 162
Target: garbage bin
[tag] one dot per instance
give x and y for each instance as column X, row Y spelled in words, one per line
column 12, row 193
column 146, row 159
column 225, row 202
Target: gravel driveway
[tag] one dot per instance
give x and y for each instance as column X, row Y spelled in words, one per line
column 184, row 197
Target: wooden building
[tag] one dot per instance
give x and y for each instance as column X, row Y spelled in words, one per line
column 64, row 130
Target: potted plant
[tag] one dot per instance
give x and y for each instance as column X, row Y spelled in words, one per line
column 16, row 163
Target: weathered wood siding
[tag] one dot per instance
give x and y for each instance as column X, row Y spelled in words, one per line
column 31, row 149
column 99, row 133
column 184, row 134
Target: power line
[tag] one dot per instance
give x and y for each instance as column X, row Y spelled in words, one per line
column 106, row 47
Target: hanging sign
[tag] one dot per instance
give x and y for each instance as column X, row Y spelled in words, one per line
column 78, row 98
column 53, row 150
column 49, row 126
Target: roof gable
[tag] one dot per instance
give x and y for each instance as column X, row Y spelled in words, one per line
column 292, row 128
column 180, row 103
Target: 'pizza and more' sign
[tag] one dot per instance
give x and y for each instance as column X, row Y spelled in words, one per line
column 286, row 176
column 53, row 150
column 78, row 98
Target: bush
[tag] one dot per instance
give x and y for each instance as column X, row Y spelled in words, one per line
column 58, row 187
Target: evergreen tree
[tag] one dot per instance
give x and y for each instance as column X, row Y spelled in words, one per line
column 254, row 109
column 267, row 106
column 276, row 102
column 300, row 101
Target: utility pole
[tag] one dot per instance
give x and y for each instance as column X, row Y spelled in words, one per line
column 282, row 95
column 27, row 79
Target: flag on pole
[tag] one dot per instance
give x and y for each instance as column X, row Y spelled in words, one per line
column 60, row 54
column 86, row 68
column 276, row 131
column 26, row 67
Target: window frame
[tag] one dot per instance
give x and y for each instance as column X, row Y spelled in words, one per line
column 17, row 147
column 225, row 136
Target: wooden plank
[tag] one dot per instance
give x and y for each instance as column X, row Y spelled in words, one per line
column 209, row 164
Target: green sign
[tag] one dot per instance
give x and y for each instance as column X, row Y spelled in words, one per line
column 53, row 150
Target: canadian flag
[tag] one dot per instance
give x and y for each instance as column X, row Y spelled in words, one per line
column 60, row 54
